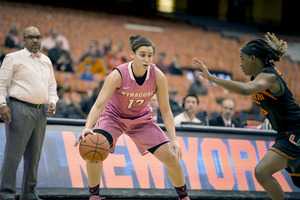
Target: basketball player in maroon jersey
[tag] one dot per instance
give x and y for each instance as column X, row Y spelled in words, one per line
column 277, row 104
column 122, row 106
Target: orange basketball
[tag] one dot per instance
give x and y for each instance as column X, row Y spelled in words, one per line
column 95, row 147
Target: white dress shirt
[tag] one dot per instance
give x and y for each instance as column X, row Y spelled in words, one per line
column 27, row 78
column 183, row 117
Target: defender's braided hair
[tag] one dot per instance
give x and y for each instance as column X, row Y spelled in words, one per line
column 270, row 50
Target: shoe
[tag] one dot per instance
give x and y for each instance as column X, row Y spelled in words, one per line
column 96, row 197
column 185, row 198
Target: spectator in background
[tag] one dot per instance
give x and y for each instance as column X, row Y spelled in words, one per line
column 66, row 105
column 226, row 116
column 97, row 64
column 93, row 46
column 175, row 67
column 161, row 62
column 55, row 53
column 173, row 100
column 121, row 52
column 155, row 108
column 197, row 86
column 190, row 104
column 113, row 58
column 12, row 39
column 50, row 41
column 107, row 46
column 64, row 63
column 84, row 106
column 62, row 103
column 87, row 75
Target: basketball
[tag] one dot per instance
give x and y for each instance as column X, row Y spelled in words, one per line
column 95, row 148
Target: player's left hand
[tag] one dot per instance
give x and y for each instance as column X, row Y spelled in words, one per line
column 177, row 149
column 204, row 71
column 51, row 109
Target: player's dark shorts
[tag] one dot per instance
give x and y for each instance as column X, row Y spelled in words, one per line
column 288, row 145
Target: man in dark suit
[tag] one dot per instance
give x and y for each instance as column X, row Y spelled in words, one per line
column 226, row 116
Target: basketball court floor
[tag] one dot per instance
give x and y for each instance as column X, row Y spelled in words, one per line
column 150, row 194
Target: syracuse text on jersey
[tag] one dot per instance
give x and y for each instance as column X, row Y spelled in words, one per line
column 138, row 94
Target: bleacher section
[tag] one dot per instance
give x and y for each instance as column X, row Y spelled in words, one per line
column 80, row 27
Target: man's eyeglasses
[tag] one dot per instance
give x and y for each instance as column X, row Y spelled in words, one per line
column 32, row 37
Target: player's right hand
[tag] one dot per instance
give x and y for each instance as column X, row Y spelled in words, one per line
column 82, row 135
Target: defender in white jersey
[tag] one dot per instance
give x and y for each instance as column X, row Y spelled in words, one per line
column 123, row 107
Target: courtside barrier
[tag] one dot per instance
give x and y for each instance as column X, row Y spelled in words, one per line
column 218, row 162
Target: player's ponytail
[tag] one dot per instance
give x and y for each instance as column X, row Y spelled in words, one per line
column 279, row 46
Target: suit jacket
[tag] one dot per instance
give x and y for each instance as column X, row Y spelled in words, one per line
column 218, row 121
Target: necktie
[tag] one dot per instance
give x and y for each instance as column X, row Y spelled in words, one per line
column 38, row 54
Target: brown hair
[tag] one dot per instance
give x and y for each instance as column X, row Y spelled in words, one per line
column 138, row 41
